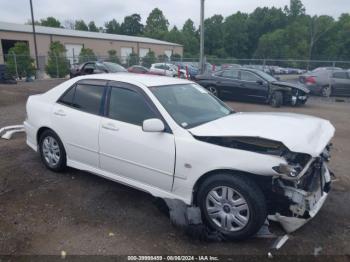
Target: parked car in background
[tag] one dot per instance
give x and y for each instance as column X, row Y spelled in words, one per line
column 137, row 69
column 223, row 172
column 318, row 81
column 96, row 67
column 168, row 70
column 340, row 83
column 253, row 85
column 187, row 67
column 165, row 69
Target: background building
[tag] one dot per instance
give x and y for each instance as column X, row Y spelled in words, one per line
column 74, row 41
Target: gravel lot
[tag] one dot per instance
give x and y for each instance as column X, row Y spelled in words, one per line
column 42, row 212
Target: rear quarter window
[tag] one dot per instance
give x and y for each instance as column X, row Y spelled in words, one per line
column 88, row 98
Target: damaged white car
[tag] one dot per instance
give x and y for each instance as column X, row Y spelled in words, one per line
column 223, row 172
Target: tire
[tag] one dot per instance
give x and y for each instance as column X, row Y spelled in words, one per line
column 214, row 90
column 245, row 190
column 52, row 151
column 326, row 91
column 276, row 99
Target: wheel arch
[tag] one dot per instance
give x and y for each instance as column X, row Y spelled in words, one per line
column 41, row 130
column 260, row 180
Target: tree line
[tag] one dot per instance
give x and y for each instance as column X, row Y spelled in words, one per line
column 268, row 33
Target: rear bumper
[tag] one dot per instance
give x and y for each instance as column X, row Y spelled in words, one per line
column 305, row 204
column 314, row 89
column 31, row 135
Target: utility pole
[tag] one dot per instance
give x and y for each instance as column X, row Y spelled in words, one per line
column 202, row 38
column 34, row 36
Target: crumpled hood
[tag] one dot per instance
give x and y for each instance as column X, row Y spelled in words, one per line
column 299, row 133
column 292, row 85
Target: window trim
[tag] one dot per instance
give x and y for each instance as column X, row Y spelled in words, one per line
column 98, row 82
column 142, row 93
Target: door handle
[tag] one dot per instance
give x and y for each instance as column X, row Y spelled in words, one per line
column 110, row 126
column 60, row 112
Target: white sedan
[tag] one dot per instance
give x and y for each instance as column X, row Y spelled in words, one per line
column 170, row 137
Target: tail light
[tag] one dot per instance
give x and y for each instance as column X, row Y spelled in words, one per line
column 310, row 80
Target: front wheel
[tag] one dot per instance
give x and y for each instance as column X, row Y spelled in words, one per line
column 326, row 91
column 234, row 206
column 52, row 151
column 276, row 99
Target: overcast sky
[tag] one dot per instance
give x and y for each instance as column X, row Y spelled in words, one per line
column 176, row 11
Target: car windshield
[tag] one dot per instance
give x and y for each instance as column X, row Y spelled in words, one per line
column 190, row 105
column 267, row 77
column 114, row 68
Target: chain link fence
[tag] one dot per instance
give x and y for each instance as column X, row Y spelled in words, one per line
column 56, row 66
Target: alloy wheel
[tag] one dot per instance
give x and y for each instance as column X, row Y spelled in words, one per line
column 326, row 91
column 51, row 151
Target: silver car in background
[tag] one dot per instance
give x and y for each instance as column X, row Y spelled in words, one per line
column 322, row 80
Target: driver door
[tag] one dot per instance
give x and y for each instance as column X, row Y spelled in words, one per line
column 125, row 149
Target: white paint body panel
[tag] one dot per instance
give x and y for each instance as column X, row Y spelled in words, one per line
column 79, row 133
column 163, row 164
column 147, row 157
column 300, row 133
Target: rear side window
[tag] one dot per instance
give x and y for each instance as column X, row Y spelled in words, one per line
column 341, row 75
column 88, row 98
column 67, row 98
column 247, row 76
column 233, row 74
column 128, row 106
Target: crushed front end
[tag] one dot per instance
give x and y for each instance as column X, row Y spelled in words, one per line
column 302, row 193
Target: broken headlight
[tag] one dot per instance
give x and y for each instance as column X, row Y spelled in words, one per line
column 289, row 170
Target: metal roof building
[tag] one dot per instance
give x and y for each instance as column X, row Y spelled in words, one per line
column 75, row 40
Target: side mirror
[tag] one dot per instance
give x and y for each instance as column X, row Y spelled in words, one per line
column 278, row 78
column 260, row 82
column 153, row 125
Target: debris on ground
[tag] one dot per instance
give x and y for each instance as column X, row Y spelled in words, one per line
column 280, row 242
column 7, row 131
column 317, row 251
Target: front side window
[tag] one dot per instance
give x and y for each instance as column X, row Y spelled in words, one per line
column 128, row 106
column 88, row 98
column 189, row 104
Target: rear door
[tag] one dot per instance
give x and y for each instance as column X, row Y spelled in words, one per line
column 341, row 83
column 76, row 119
column 252, row 86
column 228, row 81
column 125, row 149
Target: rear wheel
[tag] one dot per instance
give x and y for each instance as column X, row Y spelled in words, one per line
column 52, row 151
column 214, row 90
column 234, row 206
column 276, row 99
column 326, row 91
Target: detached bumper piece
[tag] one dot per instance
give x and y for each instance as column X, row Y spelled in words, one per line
column 8, row 131
column 306, row 196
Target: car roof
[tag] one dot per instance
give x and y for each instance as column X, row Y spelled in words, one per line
column 138, row 79
column 243, row 69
